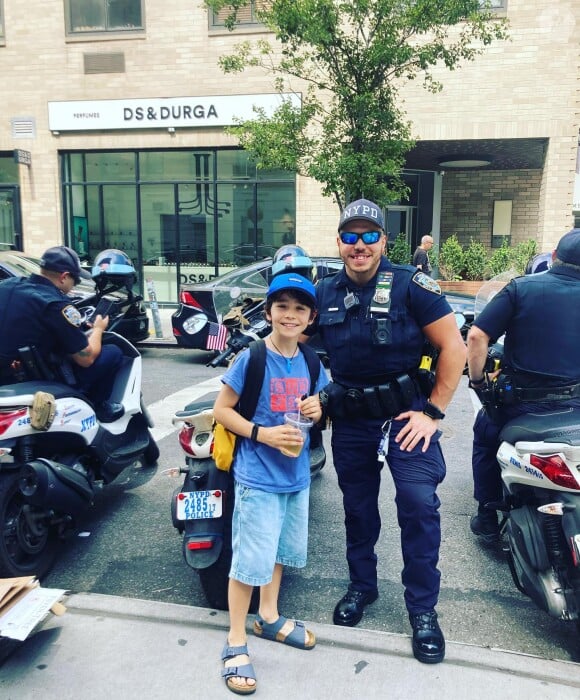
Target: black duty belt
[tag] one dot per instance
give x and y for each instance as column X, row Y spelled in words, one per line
column 379, row 401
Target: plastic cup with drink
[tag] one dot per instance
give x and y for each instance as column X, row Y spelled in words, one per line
column 297, row 420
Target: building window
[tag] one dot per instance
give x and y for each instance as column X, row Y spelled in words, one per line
column 89, row 16
column 494, row 4
column 246, row 16
column 2, row 37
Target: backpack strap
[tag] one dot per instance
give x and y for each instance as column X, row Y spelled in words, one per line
column 254, row 379
column 313, row 362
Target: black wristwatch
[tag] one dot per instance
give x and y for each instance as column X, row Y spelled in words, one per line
column 433, row 412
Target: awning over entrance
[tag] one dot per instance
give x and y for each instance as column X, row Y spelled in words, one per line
column 502, row 154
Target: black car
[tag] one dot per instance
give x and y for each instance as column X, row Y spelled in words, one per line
column 197, row 323
column 128, row 316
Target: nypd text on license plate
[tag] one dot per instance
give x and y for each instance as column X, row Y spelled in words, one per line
column 194, row 505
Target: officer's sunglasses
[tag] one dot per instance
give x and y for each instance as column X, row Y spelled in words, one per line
column 368, row 237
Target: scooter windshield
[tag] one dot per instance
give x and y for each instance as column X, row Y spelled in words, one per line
column 239, row 289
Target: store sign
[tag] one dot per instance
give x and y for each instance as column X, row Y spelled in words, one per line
column 161, row 113
column 22, row 157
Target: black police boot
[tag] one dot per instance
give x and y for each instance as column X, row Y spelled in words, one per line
column 485, row 526
column 349, row 609
column 428, row 639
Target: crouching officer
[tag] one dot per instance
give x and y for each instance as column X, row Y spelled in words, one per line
column 36, row 311
column 374, row 318
column 540, row 316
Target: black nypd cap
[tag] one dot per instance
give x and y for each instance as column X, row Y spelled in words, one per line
column 62, row 259
column 568, row 250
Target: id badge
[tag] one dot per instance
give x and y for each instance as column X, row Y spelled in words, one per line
column 381, row 302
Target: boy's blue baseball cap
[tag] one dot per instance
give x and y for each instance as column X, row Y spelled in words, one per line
column 292, row 281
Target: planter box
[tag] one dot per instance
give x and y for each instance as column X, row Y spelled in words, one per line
column 461, row 287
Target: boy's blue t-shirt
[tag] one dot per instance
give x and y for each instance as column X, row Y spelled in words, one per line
column 257, row 465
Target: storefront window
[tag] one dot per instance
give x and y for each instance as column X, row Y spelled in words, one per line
column 177, row 221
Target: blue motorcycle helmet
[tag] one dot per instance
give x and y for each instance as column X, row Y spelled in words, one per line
column 293, row 258
column 539, row 263
column 113, row 266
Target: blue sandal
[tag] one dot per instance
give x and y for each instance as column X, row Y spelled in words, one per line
column 285, row 631
column 246, row 671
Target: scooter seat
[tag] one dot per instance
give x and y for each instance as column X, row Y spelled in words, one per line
column 555, row 426
column 59, row 391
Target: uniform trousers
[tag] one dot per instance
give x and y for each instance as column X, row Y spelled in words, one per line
column 97, row 380
column 415, row 476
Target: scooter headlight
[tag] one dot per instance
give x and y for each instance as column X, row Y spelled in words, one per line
column 195, row 323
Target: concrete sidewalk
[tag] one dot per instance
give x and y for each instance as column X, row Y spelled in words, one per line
column 111, row 647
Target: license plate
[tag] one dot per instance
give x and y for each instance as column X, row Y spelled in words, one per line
column 197, row 505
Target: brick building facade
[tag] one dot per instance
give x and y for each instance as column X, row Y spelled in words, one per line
column 516, row 109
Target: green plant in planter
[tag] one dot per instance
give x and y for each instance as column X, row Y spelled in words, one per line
column 400, row 251
column 500, row 260
column 451, row 259
column 522, row 254
column 475, row 260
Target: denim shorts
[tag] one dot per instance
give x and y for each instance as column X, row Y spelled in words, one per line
column 268, row 529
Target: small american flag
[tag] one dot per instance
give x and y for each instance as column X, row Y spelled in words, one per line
column 216, row 337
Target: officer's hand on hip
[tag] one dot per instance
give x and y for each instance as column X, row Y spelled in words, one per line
column 418, row 427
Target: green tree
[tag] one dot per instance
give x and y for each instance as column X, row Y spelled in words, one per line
column 451, row 259
column 349, row 60
column 475, row 260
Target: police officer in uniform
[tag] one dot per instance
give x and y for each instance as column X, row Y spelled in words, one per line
column 36, row 311
column 374, row 319
column 540, row 316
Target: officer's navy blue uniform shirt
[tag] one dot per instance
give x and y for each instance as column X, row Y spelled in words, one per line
column 416, row 301
column 540, row 315
column 33, row 311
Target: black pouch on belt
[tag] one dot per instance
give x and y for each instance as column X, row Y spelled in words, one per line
column 407, row 388
column 354, row 403
column 372, row 402
column 332, row 399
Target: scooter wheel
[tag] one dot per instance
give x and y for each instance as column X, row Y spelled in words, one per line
column 28, row 543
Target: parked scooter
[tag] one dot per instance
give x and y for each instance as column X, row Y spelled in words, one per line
column 202, row 508
column 539, row 457
column 55, row 451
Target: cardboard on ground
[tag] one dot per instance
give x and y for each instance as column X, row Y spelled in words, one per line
column 24, row 604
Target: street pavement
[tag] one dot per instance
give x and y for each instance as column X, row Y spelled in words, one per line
column 108, row 646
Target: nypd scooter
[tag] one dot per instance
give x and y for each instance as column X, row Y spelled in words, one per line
column 539, row 457
column 56, row 451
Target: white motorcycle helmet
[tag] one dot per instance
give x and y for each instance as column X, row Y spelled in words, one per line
column 293, row 258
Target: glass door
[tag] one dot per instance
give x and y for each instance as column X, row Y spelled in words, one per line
column 400, row 221
column 10, row 233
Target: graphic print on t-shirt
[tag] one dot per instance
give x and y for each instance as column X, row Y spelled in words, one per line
column 285, row 391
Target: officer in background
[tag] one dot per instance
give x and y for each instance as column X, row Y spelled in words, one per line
column 36, row 311
column 374, row 318
column 540, row 316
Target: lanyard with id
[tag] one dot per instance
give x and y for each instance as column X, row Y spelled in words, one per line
column 381, row 304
